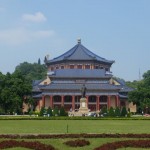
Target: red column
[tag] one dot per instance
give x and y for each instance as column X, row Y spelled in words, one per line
column 39, row 105
column 117, row 101
column 43, row 101
column 73, row 103
column 51, row 101
column 87, row 101
column 97, row 103
column 108, row 102
column 62, row 101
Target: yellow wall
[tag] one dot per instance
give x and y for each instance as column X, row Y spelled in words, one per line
column 131, row 107
column 113, row 102
column 47, row 102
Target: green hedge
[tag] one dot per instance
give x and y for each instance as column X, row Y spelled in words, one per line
column 70, row 118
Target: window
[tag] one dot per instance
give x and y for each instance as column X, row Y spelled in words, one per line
column 106, row 69
column 79, row 66
column 71, row 66
column 57, row 67
column 96, row 67
column 52, row 68
column 62, row 67
column 87, row 66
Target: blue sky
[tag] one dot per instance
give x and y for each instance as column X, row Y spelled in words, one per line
column 114, row 29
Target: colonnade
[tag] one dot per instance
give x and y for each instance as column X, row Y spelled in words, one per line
column 72, row 102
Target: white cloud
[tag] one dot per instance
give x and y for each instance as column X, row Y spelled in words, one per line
column 21, row 36
column 37, row 17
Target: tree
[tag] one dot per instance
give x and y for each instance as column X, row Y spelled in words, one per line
column 134, row 84
column 62, row 112
column 56, row 111
column 42, row 111
column 141, row 96
column 111, row 112
column 117, row 112
column 13, row 89
column 39, row 61
column 103, row 111
column 123, row 112
column 49, row 111
column 33, row 71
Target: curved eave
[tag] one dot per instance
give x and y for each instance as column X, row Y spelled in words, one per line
column 86, row 78
column 51, row 62
column 78, row 53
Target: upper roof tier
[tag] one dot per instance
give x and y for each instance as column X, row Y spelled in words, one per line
column 79, row 53
column 79, row 73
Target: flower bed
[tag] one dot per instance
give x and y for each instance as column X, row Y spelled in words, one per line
column 32, row 145
column 125, row 144
column 49, row 136
column 77, row 143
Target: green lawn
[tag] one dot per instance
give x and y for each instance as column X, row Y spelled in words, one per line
column 74, row 126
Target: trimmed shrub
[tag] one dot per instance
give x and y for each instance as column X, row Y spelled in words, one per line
column 56, row 111
column 123, row 112
column 62, row 112
column 42, row 111
column 117, row 112
column 104, row 111
column 49, row 111
column 111, row 112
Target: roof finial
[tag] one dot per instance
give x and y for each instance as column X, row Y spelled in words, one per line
column 79, row 41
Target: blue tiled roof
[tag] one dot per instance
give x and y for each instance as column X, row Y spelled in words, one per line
column 121, row 81
column 126, row 89
column 36, row 82
column 80, row 73
column 38, row 96
column 65, row 86
column 123, row 96
column 79, row 52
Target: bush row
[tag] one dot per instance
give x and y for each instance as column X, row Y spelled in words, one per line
column 31, row 145
column 69, row 118
column 49, row 136
column 125, row 144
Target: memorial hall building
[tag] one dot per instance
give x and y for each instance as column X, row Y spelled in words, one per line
column 67, row 74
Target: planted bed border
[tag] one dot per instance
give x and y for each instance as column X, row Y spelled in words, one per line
column 125, row 144
column 56, row 136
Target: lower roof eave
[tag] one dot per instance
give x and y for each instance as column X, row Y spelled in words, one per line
column 79, row 93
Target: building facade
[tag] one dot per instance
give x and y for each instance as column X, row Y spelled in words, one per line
column 67, row 74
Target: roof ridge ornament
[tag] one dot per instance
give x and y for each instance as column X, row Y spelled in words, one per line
column 79, row 40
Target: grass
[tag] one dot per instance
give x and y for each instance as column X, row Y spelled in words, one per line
column 74, row 126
